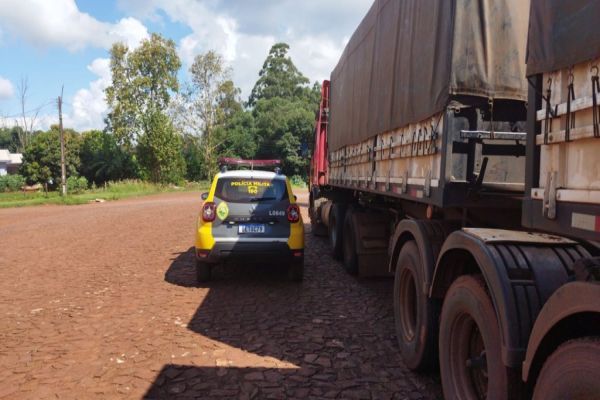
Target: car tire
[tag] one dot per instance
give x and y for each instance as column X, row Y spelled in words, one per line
column 471, row 364
column 571, row 372
column 203, row 271
column 415, row 315
column 349, row 255
column 336, row 227
column 296, row 271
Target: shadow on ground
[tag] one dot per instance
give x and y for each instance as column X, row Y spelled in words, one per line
column 334, row 330
column 208, row 382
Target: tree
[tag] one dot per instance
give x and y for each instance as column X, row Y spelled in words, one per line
column 192, row 154
column 27, row 122
column 159, row 149
column 282, row 127
column 239, row 138
column 142, row 82
column 283, row 106
column 41, row 157
column 279, row 77
column 10, row 138
column 211, row 99
column 103, row 160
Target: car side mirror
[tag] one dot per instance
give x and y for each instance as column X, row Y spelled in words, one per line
column 204, row 196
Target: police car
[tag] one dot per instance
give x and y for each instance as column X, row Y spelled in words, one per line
column 250, row 215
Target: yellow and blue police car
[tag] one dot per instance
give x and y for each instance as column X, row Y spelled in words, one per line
column 250, row 215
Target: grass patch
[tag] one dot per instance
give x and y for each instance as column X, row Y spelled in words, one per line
column 112, row 191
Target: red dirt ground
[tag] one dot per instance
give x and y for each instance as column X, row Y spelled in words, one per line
column 100, row 301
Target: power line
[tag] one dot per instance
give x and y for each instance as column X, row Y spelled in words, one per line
column 33, row 110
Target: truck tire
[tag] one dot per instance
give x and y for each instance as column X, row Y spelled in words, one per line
column 296, row 271
column 571, row 372
column 471, row 364
column 415, row 315
column 336, row 226
column 317, row 228
column 350, row 257
column 203, row 271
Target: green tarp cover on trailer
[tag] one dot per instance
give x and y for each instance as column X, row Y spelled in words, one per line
column 562, row 33
column 407, row 57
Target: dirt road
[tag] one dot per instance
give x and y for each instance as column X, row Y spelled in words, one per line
column 100, row 301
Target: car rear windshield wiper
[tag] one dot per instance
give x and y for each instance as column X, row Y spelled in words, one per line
column 259, row 199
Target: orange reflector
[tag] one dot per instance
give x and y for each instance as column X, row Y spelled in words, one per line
column 298, row 254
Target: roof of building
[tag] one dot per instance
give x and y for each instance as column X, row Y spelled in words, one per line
column 10, row 158
column 16, row 158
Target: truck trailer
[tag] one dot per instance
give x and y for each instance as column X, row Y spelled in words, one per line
column 456, row 149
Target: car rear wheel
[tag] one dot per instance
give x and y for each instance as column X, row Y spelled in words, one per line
column 296, row 271
column 203, row 271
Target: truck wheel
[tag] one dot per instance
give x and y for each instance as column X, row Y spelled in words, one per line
column 350, row 257
column 336, row 224
column 316, row 228
column 571, row 372
column 469, row 344
column 203, row 272
column 296, row 271
column 415, row 315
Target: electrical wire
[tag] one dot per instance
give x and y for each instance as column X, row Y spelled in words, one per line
column 35, row 110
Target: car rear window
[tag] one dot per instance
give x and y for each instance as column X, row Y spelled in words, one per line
column 250, row 190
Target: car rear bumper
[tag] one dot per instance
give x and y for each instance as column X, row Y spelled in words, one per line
column 253, row 252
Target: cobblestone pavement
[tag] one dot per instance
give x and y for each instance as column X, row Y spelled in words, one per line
column 100, row 301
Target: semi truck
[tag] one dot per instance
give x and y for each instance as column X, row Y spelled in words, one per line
column 457, row 149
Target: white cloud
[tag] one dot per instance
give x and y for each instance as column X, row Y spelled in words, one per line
column 6, row 89
column 243, row 31
column 46, row 23
column 128, row 30
column 89, row 104
column 41, row 121
column 86, row 110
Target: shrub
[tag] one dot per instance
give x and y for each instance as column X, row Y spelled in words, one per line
column 76, row 184
column 298, row 181
column 11, row 183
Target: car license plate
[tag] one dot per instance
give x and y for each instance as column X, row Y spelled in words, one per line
column 251, row 229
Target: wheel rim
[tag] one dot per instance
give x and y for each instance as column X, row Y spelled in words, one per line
column 477, row 363
column 408, row 305
column 468, row 358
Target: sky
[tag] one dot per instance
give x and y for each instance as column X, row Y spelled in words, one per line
column 54, row 43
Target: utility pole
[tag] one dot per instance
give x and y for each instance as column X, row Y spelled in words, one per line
column 63, row 169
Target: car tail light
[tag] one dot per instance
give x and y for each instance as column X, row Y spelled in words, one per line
column 209, row 211
column 293, row 213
